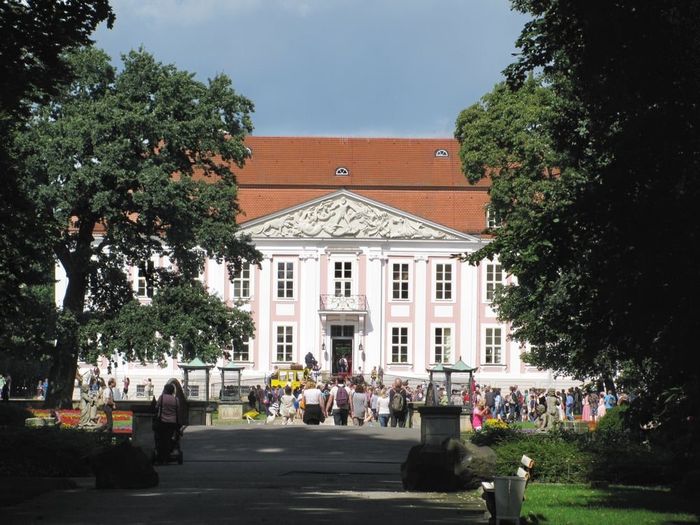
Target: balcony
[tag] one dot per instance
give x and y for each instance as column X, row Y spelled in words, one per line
column 350, row 303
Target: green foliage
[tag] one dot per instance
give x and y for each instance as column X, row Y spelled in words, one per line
column 614, row 420
column 492, row 435
column 137, row 162
column 12, row 415
column 605, row 159
column 33, row 36
column 557, row 460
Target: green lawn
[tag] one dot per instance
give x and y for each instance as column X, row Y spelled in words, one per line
column 617, row 505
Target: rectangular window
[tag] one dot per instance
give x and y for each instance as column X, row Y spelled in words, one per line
column 442, row 341
column 241, row 282
column 492, row 218
column 399, row 281
column 241, row 350
column 285, row 343
column 443, row 282
column 144, row 280
column 493, row 346
column 285, row 280
column 494, row 279
column 399, row 344
column 194, row 390
column 342, row 278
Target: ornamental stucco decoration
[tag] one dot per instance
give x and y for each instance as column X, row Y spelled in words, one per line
column 345, row 217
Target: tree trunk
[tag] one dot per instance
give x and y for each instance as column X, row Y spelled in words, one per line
column 65, row 359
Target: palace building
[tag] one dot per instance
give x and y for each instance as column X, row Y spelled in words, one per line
column 359, row 238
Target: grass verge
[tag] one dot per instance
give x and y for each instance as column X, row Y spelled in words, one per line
column 618, row 504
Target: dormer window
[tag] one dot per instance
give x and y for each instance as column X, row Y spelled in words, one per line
column 342, row 172
column 249, row 152
column 441, row 153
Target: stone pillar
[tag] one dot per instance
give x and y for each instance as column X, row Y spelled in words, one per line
column 438, row 424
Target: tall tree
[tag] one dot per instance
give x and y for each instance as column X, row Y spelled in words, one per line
column 123, row 166
column 605, row 248
column 33, row 36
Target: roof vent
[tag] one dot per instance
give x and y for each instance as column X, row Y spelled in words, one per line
column 341, row 171
column 441, row 153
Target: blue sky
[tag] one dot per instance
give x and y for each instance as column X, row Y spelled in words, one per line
column 375, row 68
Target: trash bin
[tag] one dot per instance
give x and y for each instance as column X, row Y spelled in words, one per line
column 510, row 491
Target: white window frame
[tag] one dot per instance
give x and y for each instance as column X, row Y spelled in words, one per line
column 285, row 326
column 409, row 281
column 433, row 343
column 141, row 280
column 451, row 281
column 484, row 334
column 293, row 280
column 239, row 279
column 350, row 280
column 491, row 285
column 390, row 345
column 246, row 347
column 492, row 221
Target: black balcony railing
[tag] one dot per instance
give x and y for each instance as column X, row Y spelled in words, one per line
column 339, row 303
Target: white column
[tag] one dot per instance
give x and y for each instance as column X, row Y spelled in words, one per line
column 308, row 305
column 468, row 322
column 374, row 324
column 216, row 273
column 420, row 305
column 262, row 330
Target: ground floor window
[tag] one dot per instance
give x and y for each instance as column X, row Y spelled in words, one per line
column 399, row 344
column 241, row 350
column 493, row 346
column 442, row 344
column 285, row 343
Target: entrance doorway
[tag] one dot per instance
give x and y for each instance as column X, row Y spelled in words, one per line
column 341, row 346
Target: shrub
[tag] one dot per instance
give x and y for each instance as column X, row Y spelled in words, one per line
column 493, row 433
column 12, row 415
column 557, row 460
column 614, row 420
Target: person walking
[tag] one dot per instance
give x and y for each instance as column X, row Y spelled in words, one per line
column 312, row 404
column 5, row 392
column 125, row 388
column 339, row 403
column 359, row 406
column 109, row 404
column 383, row 410
column 287, row 410
column 398, row 403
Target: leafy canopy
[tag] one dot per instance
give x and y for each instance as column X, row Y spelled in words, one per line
column 126, row 166
column 595, row 178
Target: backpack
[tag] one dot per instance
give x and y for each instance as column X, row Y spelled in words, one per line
column 341, row 397
column 398, row 402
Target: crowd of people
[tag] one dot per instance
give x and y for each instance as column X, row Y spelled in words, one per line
column 346, row 400
column 353, row 401
column 528, row 405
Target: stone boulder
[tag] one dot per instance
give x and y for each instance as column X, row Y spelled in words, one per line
column 453, row 466
column 122, row 467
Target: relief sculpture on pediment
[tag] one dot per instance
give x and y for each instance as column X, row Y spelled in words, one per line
column 345, row 217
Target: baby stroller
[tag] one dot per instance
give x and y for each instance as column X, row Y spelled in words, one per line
column 167, row 436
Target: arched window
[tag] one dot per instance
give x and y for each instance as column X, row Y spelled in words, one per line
column 441, row 153
column 342, row 172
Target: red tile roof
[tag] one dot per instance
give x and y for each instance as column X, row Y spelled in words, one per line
column 403, row 173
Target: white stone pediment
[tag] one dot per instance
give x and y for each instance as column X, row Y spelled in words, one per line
column 346, row 215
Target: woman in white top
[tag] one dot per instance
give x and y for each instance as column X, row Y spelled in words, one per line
column 383, row 410
column 287, row 409
column 314, row 409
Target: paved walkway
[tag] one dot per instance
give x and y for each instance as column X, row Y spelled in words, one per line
column 266, row 474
